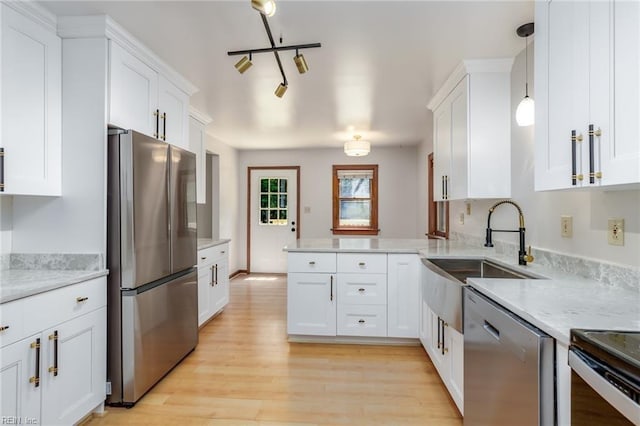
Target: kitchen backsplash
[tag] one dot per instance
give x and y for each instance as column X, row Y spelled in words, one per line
column 42, row 261
column 608, row 273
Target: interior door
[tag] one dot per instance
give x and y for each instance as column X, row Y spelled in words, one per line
column 272, row 218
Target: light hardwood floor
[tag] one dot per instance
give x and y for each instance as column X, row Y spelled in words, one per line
column 244, row 372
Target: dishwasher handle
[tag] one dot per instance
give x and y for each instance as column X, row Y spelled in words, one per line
column 494, row 332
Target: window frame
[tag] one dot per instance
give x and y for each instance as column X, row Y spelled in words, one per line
column 433, row 231
column 372, row 229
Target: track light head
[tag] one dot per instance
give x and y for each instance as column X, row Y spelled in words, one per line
column 243, row 64
column 266, row 7
column 281, row 90
column 301, row 63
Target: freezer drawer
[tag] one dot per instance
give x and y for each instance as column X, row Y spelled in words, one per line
column 159, row 328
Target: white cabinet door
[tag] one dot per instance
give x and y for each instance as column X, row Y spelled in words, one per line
column 133, row 89
column 454, row 351
column 441, row 149
column 403, row 282
column 221, row 284
column 457, row 181
column 621, row 156
column 197, row 144
column 78, row 384
column 436, row 350
column 31, row 106
column 311, row 304
column 20, row 399
column 173, row 104
column 205, row 299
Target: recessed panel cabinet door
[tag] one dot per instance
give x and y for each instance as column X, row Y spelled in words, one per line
column 441, row 149
column 19, row 399
column 133, row 94
column 30, row 106
column 74, row 368
column 311, row 304
column 173, row 104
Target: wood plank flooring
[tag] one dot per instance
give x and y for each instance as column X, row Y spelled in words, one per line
column 244, row 372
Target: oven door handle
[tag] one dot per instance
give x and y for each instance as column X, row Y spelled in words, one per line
column 582, row 365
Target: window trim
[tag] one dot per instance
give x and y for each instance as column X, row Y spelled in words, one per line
column 372, row 229
column 433, row 231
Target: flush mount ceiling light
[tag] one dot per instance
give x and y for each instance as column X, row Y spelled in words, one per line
column 357, row 147
column 525, row 113
column 268, row 8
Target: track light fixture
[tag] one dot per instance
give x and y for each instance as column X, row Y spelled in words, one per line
column 268, row 8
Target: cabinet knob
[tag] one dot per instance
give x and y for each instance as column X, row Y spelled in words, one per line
column 222, row 252
column 312, row 263
column 80, row 299
column 4, row 327
column 203, row 258
column 361, row 321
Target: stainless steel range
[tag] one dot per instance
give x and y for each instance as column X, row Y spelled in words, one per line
column 605, row 378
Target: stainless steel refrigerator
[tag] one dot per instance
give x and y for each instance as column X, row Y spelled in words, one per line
column 151, row 256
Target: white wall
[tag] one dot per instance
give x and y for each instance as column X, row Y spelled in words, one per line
column 424, row 149
column 6, row 223
column 75, row 222
column 542, row 210
column 230, row 194
column 397, row 186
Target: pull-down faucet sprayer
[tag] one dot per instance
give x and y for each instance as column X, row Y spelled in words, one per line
column 523, row 257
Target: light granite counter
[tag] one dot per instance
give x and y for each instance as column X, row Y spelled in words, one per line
column 32, row 273
column 555, row 303
column 204, row 243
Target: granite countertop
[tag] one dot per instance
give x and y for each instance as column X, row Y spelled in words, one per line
column 17, row 283
column 204, row 243
column 346, row 245
column 555, row 303
column 33, row 273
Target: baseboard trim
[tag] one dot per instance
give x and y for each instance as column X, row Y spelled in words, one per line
column 238, row 272
column 355, row 340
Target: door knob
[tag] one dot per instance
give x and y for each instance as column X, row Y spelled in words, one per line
column 293, row 222
column 293, row 229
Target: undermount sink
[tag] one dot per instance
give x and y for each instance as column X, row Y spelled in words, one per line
column 445, row 278
column 461, row 269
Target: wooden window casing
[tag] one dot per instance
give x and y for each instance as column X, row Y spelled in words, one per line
column 372, row 228
column 433, row 231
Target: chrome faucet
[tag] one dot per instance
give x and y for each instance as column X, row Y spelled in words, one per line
column 523, row 257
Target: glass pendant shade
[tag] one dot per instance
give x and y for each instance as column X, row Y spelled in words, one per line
column 357, row 147
column 525, row 113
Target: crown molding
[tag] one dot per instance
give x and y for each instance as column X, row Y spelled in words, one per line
column 103, row 26
column 469, row 66
column 199, row 116
column 34, row 11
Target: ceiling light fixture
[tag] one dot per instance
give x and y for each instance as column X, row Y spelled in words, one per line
column 268, row 8
column 525, row 113
column 357, row 147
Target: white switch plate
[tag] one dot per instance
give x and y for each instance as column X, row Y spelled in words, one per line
column 566, row 226
column 615, row 232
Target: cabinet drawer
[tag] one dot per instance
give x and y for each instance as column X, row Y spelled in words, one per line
column 312, row 262
column 369, row 289
column 53, row 307
column 11, row 322
column 375, row 263
column 362, row 320
column 209, row 255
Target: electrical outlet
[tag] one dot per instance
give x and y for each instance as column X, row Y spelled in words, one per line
column 461, row 219
column 566, row 226
column 615, row 232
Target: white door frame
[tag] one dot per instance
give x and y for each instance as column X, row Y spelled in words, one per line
column 249, row 215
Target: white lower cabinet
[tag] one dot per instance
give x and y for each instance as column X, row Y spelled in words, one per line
column 403, row 299
column 362, row 320
column 57, row 374
column 213, row 281
column 311, row 304
column 445, row 347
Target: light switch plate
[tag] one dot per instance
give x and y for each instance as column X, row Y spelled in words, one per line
column 615, row 232
column 566, row 226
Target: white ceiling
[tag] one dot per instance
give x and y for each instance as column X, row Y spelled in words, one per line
column 379, row 64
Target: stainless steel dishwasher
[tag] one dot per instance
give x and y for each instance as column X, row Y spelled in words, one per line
column 508, row 367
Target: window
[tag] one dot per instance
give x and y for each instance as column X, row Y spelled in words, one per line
column 273, row 201
column 438, row 210
column 355, row 199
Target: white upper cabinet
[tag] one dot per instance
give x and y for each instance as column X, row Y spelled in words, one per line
column 472, row 132
column 30, row 117
column 587, row 89
column 144, row 100
column 197, row 143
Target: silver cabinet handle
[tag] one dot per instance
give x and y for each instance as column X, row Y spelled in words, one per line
column 361, row 321
column 361, row 264
column 312, row 263
column 81, row 299
column 1, row 169
column 361, row 290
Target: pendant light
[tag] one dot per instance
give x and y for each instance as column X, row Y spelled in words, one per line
column 525, row 113
column 357, row 147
